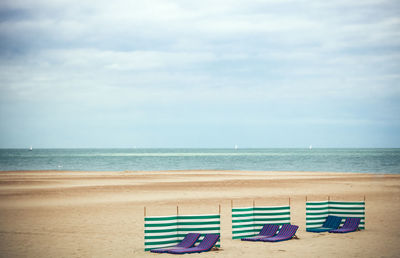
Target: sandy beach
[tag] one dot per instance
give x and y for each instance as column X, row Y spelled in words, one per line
column 101, row 214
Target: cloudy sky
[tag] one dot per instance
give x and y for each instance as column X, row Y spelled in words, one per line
column 275, row 73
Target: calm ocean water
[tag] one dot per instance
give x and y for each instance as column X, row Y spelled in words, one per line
column 338, row 160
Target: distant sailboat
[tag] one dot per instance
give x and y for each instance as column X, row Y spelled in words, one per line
column 310, row 147
column 30, row 148
column 236, row 147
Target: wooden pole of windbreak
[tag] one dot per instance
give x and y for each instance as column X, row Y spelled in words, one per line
column 231, row 204
column 365, row 210
column 289, row 201
column 254, row 203
column 177, row 210
column 329, row 198
column 306, row 198
column 144, row 211
column 219, row 209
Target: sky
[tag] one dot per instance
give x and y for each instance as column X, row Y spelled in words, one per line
column 199, row 74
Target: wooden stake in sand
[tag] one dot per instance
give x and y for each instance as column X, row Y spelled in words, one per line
column 219, row 209
column 306, row 198
column 145, row 211
column 177, row 210
column 231, row 204
column 289, row 201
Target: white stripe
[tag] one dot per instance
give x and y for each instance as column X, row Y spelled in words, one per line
column 250, row 213
column 317, row 216
column 266, row 217
column 341, row 210
column 346, row 206
column 202, row 215
column 159, row 228
column 242, row 223
column 273, row 222
column 319, row 206
column 160, row 239
column 161, row 222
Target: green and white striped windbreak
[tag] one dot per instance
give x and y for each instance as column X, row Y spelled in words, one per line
column 248, row 221
column 317, row 211
column 165, row 231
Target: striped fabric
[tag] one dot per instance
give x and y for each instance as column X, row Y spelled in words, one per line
column 167, row 231
column 287, row 232
column 248, row 221
column 208, row 242
column 317, row 212
column 350, row 225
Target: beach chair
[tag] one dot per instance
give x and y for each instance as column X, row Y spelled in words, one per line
column 287, row 232
column 268, row 230
column 350, row 225
column 205, row 245
column 189, row 240
column 331, row 223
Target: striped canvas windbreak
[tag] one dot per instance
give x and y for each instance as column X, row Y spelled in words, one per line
column 316, row 212
column 166, row 231
column 248, row 221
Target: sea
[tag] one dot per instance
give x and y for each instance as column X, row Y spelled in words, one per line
column 379, row 161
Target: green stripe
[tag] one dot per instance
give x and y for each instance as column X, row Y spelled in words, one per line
column 271, row 208
column 198, row 229
column 242, row 209
column 199, row 217
column 199, row 223
column 316, row 218
column 239, row 237
column 317, row 213
column 272, row 219
column 241, row 215
column 241, row 221
column 259, row 214
column 160, row 218
column 316, row 209
column 320, row 203
column 159, row 225
column 242, row 226
column 347, row 203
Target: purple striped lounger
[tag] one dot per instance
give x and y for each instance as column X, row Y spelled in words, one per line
column 268, row 230
column 285, row 233
column 205, row 245
column 189, row 240
column 350, row 225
